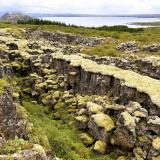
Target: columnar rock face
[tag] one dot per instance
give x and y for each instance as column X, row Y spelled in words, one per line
column 90, row 82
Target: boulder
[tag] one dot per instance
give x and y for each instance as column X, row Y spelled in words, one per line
column 154, row 152
column 125, row 135
column 156, row 143
column 122, row 158
column 82, row 122
column 94, row 108
column 136, row 110
column 49, row 100
column 100, row 126
column 86, row 139
column 154, row 124
column 100, row 147
column 139, row 153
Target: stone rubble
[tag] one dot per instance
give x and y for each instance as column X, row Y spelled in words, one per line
column 133, row 47
column 129, row 46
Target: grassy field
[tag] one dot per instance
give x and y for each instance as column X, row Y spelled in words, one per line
column 108, row 48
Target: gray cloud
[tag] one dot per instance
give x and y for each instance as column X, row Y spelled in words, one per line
column 82, row 6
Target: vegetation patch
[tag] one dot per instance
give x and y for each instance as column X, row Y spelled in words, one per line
column 62, row 136
column 13, row 146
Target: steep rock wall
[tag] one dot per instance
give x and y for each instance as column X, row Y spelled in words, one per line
column 90, row 82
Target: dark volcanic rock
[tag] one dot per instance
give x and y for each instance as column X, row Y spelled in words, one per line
column 65, row 38
column 7, row 114
column 12, row 46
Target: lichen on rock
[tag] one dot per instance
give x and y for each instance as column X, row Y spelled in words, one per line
column 104, row 121
column 156, row 143
column 100, row 147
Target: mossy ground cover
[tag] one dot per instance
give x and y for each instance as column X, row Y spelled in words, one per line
column 63, row 136
column 13, row 146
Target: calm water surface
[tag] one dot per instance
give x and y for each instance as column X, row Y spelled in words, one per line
column 100, row 21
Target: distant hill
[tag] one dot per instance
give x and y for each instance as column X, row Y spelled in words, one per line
column 14, row 17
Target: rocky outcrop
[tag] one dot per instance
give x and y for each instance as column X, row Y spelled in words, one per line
column 152, row 48
column 7, row 112
column 133, row 47
column 65, row 38
column 17, row 140
column 129, row 46
column 145, row 66
column 91, row 78
column 13, row 127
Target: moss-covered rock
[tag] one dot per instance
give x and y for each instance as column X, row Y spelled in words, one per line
column 94, row 108
column 156, row 158
column 15, row 95
column 40, row 86
column 122, row 158
column 156, row 143
column 49, row 71
column 56, row 94
column 139, row 154
column 104, row 121
column 87, row 139
column 17, row 66
column 3, row 85
column 81, row 121
column 82, row 100
column 49, row 100
column 82, row 118
column 129, row 121
column 100, row 147
column 21, row 112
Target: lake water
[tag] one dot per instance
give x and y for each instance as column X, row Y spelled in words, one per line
column 100, row 21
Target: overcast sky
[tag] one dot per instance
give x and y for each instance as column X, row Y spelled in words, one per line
column 82, row 6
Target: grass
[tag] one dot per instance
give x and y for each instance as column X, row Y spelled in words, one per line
column 63, row 137
column 108, row 48
column 147, row 23
column 105, row 49
column 151, row 34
